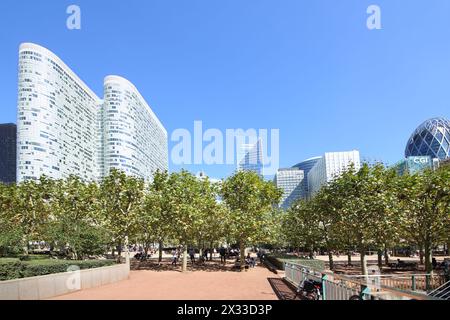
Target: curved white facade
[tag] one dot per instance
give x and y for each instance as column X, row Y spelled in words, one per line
column 64, row 128
column 57, row 119
column 135, row 140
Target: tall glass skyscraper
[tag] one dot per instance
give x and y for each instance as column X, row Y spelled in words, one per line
column 8, row 134
column 330, row 166
column 306, row 166
column 431, row 138
column 290, row 180
column 64, row 128
column 250, row 157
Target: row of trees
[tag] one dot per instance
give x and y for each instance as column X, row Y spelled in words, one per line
column 374, row 208
column 81, row 219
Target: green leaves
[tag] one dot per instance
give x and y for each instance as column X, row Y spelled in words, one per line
column 374, row 208
column 251, row 202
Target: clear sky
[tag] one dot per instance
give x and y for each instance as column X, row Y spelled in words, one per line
column 310, row 68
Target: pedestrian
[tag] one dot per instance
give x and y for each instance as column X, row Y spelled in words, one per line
column 192, row 255
column 222, row 253
column 174, row 257
column 250, row 260
column 434, row 263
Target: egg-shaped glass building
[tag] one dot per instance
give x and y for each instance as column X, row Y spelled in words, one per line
column 431, row 138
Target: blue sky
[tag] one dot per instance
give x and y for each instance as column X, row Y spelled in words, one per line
column 310, row 68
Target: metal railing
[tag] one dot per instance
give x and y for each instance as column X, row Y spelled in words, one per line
column 339, row 287
column 443, row 292
column 413, row 282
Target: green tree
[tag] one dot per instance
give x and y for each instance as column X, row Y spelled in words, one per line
column 359, row 190
column 10, row 232
column 185, row 209
column 302, row 227
column 425, row 199
column 251, row 201
column 74, row 226
column 32, row 209
column 121, row 199
column 154, row 221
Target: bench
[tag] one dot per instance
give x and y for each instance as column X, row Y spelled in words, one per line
column 402, row 265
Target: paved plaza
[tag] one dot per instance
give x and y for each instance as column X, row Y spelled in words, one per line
column 203, row 284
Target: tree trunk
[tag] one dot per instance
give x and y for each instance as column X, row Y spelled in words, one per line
column 349, row 257
column 184, row 269
column 160, row 250
column 211, row 251
column 119, row 252
column 363, row 261
column 428, row 257
column 242, row 249
column 311, row 252
column 386, row 256
column 330, row 259
column 25, row 245
column 380, row 258
column 127, row 251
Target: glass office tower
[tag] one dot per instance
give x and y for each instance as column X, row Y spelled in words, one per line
column 330, row 166
column 290, row 180
column 431, row 138
column 250, row 157
column 306, row 166
column 412, row 165
column 8, row 134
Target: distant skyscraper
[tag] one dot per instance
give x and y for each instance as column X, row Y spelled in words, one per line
column 64, row 128
column 250, row 158
column 330, row 166
column 8, row 147
column 306, row 166
column 290, row 180
column 431, row 138
column 412, row 165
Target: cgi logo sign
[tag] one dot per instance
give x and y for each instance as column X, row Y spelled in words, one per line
column 421, row 160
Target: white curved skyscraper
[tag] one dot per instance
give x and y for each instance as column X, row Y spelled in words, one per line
column 64, row 128
column 135, row 140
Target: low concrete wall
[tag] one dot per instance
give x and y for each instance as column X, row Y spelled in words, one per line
column 52, row 285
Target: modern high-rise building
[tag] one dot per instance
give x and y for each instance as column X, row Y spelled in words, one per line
column 306, row 166
column 64, row 128
column 330, row 166
column 431, row 138
column 412, row 165
column 290, row 180
column 8, row 137
column 134, row 140
column 250, row 157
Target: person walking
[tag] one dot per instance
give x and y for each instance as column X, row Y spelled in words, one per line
column 192, row 255
column 174, row 257
column 222, row 253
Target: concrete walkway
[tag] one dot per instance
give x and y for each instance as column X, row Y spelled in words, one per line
column 192, row 285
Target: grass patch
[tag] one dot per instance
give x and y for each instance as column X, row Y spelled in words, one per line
column 278, row 260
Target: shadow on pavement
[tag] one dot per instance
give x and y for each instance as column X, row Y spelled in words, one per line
column 166, row 265
column 282, row 289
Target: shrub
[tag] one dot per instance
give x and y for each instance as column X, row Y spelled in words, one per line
column 14, row 269
column 278, row 261
column 10, row 269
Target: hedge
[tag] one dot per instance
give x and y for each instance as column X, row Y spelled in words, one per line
column 278, row 261
column 10, row 269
